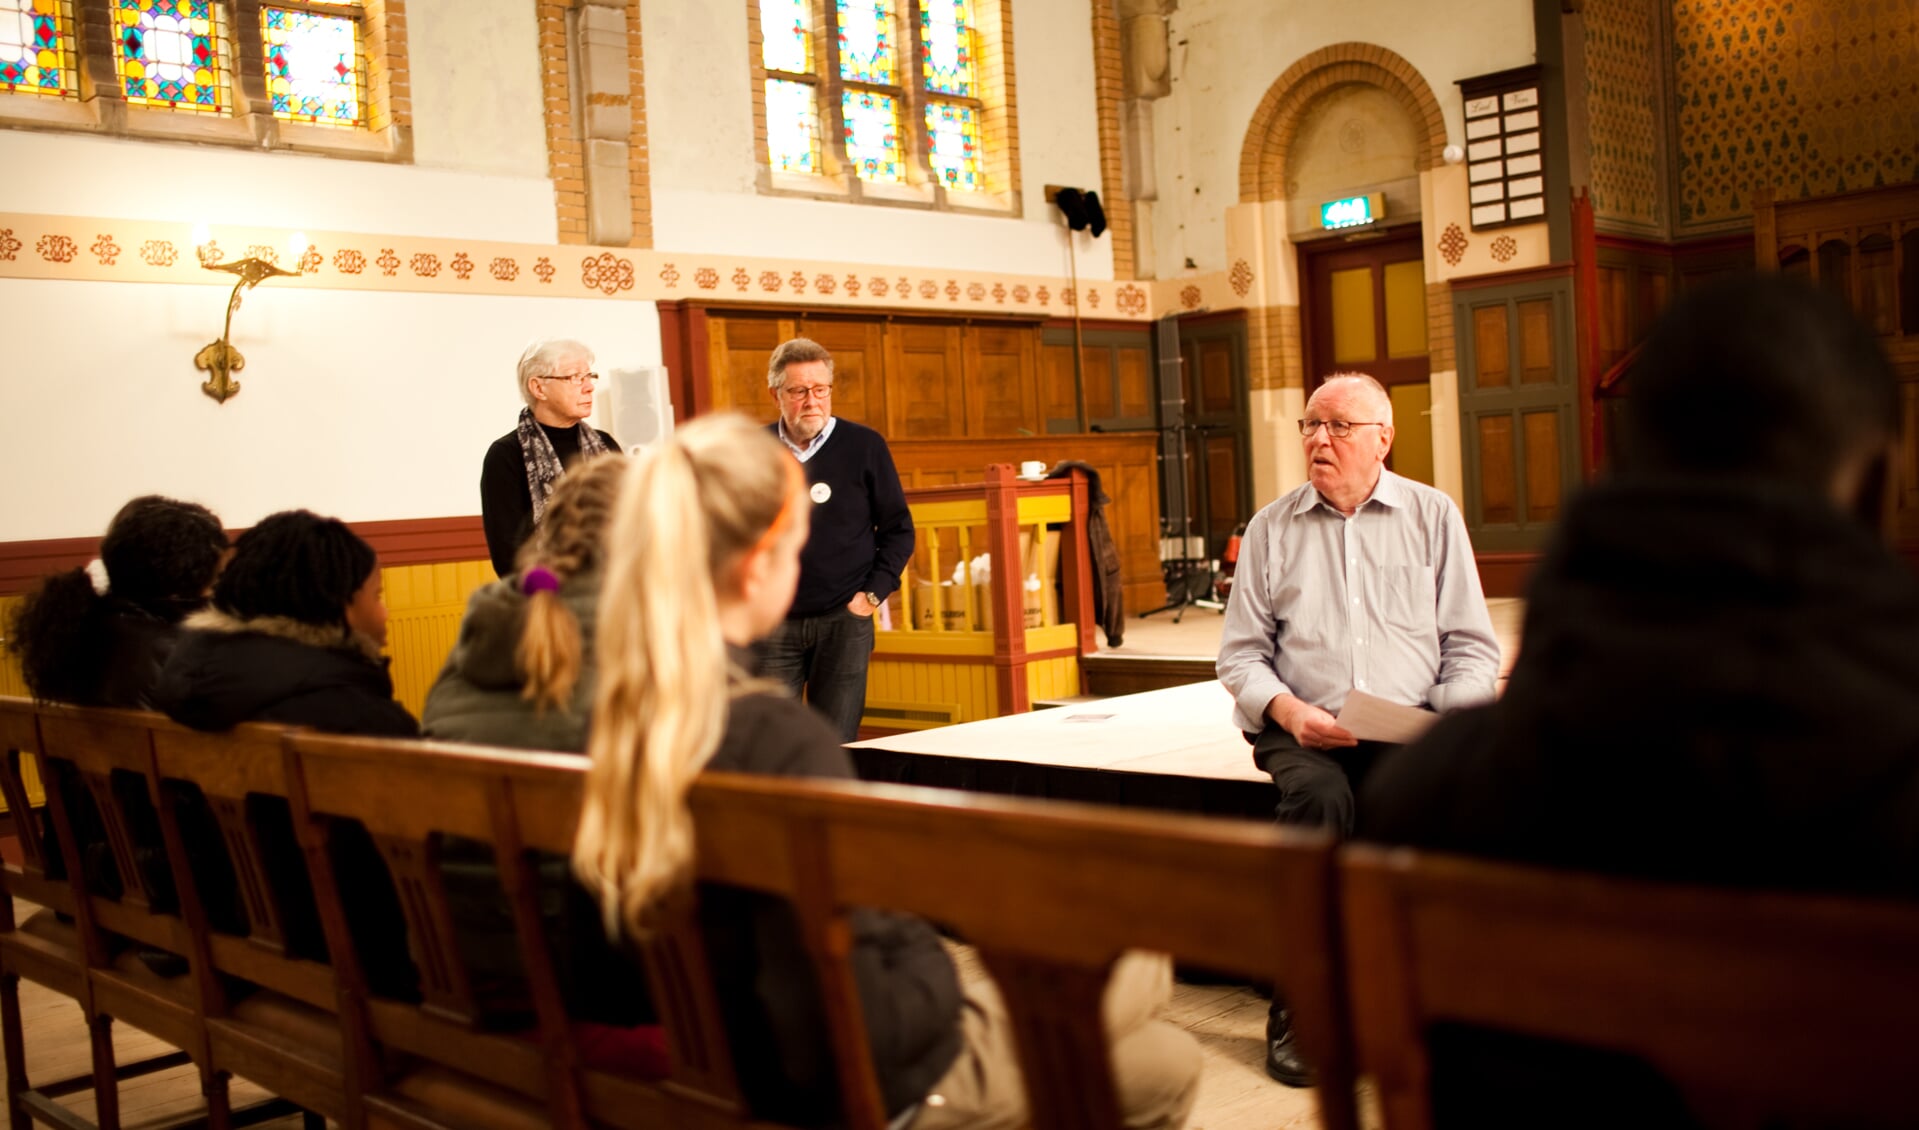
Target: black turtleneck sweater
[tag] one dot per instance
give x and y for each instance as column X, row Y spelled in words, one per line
column 506, row 506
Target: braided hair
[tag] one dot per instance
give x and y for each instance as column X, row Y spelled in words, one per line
column 160, row 556
column 567, row 543
column 295, row 564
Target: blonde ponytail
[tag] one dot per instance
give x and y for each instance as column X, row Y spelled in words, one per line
column 567, row 544
column 687, row 512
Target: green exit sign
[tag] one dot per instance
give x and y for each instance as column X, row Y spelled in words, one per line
column 1352, row 211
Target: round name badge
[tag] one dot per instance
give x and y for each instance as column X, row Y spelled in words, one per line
column 821, row 492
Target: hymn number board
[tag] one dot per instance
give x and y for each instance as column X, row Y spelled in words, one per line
column 1505, row 164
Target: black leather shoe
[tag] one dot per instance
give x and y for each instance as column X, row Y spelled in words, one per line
column 1283, row 1061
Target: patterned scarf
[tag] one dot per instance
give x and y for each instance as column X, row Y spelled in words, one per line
column 543, row 463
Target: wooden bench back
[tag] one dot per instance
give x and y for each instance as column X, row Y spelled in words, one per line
column 1052, row 895
column 1762, row 1008
column 20, row 748
column 91, row 747
column 408, row 796
column 237, row 779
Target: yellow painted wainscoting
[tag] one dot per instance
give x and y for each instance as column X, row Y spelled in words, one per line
column 11, row 683
column 424, row 604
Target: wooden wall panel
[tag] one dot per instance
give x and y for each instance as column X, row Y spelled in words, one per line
column 1097, row 371
column 740, row 350
column 1002, row 385
column 1498, row 480
column 927, row 382
column 1492, row 363
column 1136, row 397
column 1058, row 398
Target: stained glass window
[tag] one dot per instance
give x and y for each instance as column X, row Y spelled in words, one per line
column 792, row 127
column 313, row 66
column 868, row 45
column 166, row 53
column 786, row 37
column 872, row 134
column 36, row 47
column 954, row 130
column 946, row 47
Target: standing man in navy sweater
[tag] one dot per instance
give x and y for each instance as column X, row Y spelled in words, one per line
column 861, row 541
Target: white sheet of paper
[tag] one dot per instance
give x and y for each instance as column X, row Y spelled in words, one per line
column 1371, row 718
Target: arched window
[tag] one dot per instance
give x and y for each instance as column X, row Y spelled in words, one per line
column 902, row 100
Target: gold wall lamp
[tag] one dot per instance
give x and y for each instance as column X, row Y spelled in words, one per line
column 219, row 358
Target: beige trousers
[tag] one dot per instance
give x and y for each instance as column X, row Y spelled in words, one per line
column 1155, row 1064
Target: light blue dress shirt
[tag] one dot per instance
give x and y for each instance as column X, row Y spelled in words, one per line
column 1386, row 601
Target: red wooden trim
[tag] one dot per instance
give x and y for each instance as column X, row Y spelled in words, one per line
column 1009, row 614
column 1506, row 574
column 1705, row 245
column 1586, row 329
column 1506, row 278
column 407, row 541
column 955, row 318
column 683, row 348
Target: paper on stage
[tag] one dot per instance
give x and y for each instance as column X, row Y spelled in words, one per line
column 1371, row 718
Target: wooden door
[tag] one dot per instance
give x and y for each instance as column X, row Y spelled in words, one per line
column 1213, row 390
column 1518, row 410
column 1366, row 312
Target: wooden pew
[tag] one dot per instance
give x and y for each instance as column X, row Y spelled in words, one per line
column 1051, row 894
column 1761, row 1008
column 280, row 1031
column 89, row 749
column 408, row 795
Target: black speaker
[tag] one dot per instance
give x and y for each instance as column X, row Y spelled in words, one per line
column 1082, row 210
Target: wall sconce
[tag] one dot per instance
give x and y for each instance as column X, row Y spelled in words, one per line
column 219, row 358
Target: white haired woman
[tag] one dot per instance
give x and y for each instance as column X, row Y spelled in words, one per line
column 556, row 380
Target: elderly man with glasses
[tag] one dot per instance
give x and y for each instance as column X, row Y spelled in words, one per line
column 1358, row 580
column 556, row 380
column 861, row 540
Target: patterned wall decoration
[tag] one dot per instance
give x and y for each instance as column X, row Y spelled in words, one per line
column 92, row 248
column 1623, row 113
column 1809, row 98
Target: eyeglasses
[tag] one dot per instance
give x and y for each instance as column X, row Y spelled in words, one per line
column 576, row 378
column 799, row 393
column 1338, row 429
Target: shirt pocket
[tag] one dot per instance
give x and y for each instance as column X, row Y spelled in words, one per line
column 1407, row 595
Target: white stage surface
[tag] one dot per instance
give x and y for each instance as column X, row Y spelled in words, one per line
column 1176, row 732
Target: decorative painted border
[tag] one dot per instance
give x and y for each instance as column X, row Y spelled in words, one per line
column 119, row 250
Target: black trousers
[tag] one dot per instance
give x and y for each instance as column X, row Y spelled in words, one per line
column 1316, row 786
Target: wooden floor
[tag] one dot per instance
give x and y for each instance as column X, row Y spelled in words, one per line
column 1229, row 1021
column 57, row 1048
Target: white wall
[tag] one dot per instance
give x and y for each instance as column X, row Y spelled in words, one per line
column 702, row 151
column 1226, row 54
column 477, row 95
column 364, row 406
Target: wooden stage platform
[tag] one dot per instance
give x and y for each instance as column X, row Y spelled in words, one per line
column 1174, row 748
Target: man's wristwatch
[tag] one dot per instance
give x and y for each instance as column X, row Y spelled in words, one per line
column 872, row 599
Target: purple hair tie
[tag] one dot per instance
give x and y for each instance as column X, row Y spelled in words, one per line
column 539, row 579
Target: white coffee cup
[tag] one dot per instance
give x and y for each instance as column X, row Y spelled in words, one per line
column 1032, row 469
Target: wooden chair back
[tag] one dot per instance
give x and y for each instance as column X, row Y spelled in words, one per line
column 19, row 750
column 237, row 779
column 409, row 796
column 109, row 755
column 1761, row 1008
column 1052, row 895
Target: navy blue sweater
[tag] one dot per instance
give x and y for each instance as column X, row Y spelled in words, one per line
column 862, row 534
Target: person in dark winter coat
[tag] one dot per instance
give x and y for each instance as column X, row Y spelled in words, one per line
column 1718, row 681
column 703, row 558
column 101, row 641
column 293, row 636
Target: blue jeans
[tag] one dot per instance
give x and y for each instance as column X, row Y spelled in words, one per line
column 825, row 656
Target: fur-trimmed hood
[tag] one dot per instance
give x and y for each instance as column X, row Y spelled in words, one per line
column 227, row 670
column 216, row 620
